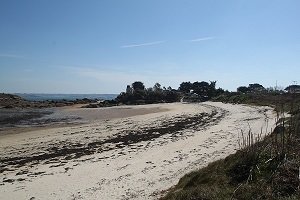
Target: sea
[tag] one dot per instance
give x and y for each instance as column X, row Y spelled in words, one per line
column 44, row 97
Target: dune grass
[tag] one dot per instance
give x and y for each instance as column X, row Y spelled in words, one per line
column 267, row 169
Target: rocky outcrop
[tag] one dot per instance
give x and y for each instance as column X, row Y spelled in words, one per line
column 14, row 101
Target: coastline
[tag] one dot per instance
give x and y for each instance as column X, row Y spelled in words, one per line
column 120, row 158
column 47, row 118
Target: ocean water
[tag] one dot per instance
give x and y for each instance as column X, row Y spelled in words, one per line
column 43, row 97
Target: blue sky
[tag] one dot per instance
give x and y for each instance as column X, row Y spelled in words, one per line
column 100, row 46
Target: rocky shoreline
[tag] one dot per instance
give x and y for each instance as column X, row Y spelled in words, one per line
column 16, row 112
column 13, row 101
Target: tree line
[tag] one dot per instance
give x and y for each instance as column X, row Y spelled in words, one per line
column 137, row 93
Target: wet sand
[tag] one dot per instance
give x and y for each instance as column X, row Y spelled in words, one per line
column 134, row 155
column 94, row 114
column 15, row 121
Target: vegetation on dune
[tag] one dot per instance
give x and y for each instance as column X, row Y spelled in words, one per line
column 199, row 91
column 268, row 169
column 138, row 94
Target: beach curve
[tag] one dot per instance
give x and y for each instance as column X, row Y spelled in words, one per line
column 132, row 157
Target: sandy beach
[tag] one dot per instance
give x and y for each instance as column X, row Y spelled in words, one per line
column 126, row 152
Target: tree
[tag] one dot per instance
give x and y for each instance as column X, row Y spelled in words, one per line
column 255, row 87
column 213, row 84
column 201, row 88
column 219, row 91
column 185, row 87
column 129, row 89
column 123, row 97
column 212, row 90
column 243, row 89
column 157, row 87
column 171, row 96
column 137, row 86
column 293, row 89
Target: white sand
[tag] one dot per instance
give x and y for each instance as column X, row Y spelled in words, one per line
column 139, row 170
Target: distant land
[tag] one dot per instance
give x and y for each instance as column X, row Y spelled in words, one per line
column 44, row 97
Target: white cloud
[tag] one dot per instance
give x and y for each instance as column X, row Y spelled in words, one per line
column 143, row 44
column 201, row 39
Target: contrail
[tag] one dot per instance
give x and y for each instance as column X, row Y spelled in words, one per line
column 142, row 44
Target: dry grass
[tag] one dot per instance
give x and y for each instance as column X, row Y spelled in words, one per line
column 266, row 168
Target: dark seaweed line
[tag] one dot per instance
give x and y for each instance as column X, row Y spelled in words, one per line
column 126, row 137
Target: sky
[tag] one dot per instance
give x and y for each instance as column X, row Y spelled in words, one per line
column 100, row 46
